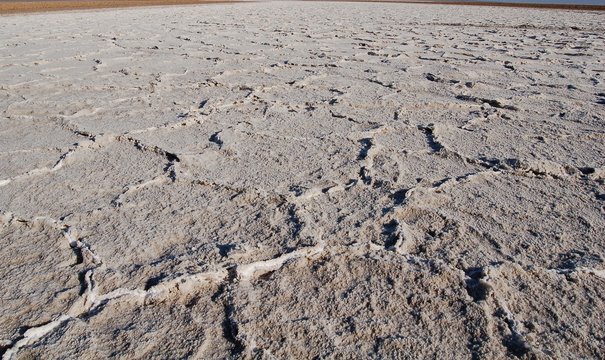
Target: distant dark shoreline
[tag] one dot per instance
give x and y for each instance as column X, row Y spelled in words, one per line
column 487, row 3
column 26, row 6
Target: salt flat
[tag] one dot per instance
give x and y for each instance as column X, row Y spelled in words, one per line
column 303, row 180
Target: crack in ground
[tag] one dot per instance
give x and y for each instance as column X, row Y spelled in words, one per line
column 93, row 142
column 491, row 102
column 32, row 335
column 515, row 343
column 45, row 170
column 91, row 303
column 229, row 325
column 477, row 284
column 216, row 138
column 366, row 145
column 117, row 201
column 295, row 220
column 431, row 140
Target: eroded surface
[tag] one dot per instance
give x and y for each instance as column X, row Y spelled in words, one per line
column 303, row 180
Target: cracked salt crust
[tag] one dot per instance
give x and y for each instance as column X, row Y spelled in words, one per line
column 361, row 180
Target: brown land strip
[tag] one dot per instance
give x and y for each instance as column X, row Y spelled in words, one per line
column 533, row 6
column 486, row 3
column 13, row 7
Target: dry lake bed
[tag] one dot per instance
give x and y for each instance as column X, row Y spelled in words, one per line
column 303, row 180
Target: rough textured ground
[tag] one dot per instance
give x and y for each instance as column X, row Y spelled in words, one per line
column 303, row 180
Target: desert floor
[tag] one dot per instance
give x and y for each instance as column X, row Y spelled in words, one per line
column 303, row 180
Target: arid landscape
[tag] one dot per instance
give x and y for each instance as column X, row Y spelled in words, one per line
column 17, row 6
column 303, row 180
